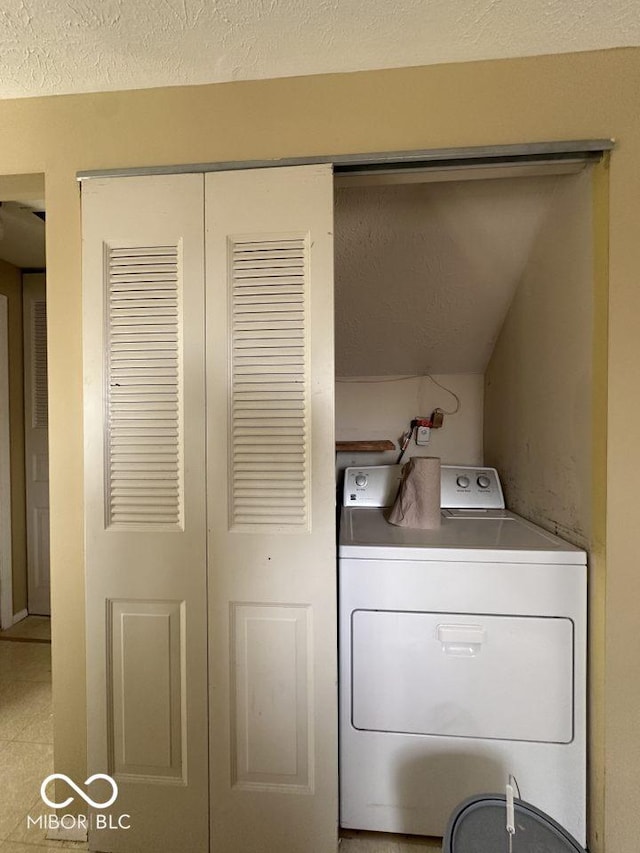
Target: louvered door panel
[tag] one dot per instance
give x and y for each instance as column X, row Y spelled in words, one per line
column 269, row 481
column 39, row 391
column 144, row 437
column 145, row 504
column 271, row 510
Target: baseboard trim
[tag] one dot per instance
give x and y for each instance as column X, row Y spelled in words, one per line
column 75, row 833
column 18, row 617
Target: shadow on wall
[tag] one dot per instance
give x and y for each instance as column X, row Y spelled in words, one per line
column 449, row 778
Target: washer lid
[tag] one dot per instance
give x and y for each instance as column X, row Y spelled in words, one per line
column 478, row 825
column 497, row 535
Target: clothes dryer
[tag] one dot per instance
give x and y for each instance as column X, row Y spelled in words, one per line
column 462, row 658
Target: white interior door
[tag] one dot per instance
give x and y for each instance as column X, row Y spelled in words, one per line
column 271, row 499
column 6, row 581
column 145, row 507
column 36, row 444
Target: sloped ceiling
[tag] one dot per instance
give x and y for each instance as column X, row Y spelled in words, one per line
column 425, row 273
column 64, row 46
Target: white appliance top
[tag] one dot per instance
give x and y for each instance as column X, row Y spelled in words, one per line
column 469, row 533
column 483, row 536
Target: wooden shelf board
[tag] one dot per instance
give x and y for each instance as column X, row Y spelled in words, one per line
column 364, row 446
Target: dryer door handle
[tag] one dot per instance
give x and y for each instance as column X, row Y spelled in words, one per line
column 461, row 640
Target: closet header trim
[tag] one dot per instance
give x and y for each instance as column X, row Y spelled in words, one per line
column 577, row 151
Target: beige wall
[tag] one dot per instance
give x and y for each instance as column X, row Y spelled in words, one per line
column 378, row 410
column 572, row 96
column 539, row 379
column 542, row 421
column 597, row 644
column 11, row 287
column 425, row 272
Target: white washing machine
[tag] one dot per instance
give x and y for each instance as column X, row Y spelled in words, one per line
column 462, row 658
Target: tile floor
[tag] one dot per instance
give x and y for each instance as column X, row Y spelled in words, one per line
column 26, row 737
column 26, row 750
column 31, row 629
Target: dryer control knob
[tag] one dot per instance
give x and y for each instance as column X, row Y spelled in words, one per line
column 361, row 479
column 483, row 481
column 463, row 482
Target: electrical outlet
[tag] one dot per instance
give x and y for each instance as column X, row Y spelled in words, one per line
column 423, row 435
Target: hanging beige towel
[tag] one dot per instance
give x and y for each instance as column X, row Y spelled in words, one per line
column 418, row 501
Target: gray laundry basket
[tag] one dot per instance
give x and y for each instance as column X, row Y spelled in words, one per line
column 478, row 825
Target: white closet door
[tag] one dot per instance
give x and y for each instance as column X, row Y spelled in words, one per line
column 145, row 507
column 271, row 500
column 36, row 442
column 6, row 582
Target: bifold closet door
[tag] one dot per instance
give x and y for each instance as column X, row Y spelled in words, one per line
column 271, row 509
column 269, row 488
column 145, row 520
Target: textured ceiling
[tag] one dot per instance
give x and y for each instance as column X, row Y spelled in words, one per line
column 62, row 46
column 425, row 273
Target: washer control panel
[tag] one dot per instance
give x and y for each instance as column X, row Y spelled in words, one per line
column 466, row 487
column 461, row 486
column 372, row 485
